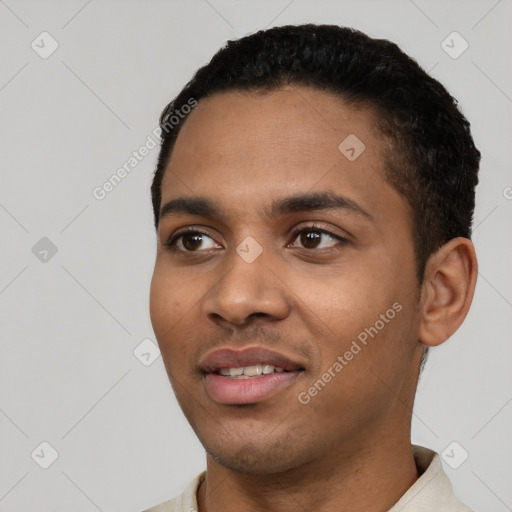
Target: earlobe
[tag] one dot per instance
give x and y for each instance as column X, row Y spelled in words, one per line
column 447, row 290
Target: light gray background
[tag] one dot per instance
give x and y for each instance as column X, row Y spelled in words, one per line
column 69, row 325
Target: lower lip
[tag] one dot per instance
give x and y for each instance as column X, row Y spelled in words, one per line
column 246, row 391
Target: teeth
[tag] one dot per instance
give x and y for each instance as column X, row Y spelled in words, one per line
column 253, row 371
column 250, row 371
column 231, row 372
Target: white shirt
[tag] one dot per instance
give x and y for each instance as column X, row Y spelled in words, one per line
column 432, row 492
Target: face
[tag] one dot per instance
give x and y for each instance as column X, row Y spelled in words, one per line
column 284, row 294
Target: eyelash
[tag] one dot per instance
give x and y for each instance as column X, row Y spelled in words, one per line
column 171, row 243
column 185, row 231
column 296, row 231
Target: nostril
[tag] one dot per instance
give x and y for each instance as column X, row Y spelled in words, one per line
column 258, row 315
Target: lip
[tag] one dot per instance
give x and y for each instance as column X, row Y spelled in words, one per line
column 225, row 390
column 235, row 358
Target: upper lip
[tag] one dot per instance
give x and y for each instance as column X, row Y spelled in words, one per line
column 236, row 358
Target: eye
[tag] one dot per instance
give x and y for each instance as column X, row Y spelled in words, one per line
column 191, row 240
column 312, row 237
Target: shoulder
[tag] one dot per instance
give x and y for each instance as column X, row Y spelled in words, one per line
column 432, row 491
column 185, row 502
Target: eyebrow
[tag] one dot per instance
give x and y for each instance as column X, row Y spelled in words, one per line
column 313, row 202
column 204, row 207
column 200, row 206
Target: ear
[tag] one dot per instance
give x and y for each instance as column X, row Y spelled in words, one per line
column 447, row 290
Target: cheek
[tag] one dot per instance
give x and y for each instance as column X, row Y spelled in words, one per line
column 346, row 302
column 166, row 305
column 174, row 303
column 365, row 304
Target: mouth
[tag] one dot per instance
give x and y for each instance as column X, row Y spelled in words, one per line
column 247, row 376
column 250, row 372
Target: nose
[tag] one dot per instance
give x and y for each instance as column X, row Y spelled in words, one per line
column 246, row 290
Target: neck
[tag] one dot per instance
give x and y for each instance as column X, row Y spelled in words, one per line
column 371, row 479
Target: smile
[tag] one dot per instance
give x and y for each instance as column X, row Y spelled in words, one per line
column 249, row 372
column 247, row 376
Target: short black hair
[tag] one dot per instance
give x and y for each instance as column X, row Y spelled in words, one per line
column 431, row 158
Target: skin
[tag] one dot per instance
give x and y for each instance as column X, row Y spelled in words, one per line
column 307, row 300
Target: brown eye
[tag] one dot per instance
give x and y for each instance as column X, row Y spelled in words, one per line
column 310, row 239
column 191, row 242
column 314, row 238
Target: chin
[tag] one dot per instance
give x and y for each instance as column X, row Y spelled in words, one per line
column 253, row 464
column 252, row 457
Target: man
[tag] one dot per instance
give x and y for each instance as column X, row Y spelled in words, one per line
column 313, row 200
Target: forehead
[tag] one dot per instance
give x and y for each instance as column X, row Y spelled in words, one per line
column 246, row 147
column 306, row 121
